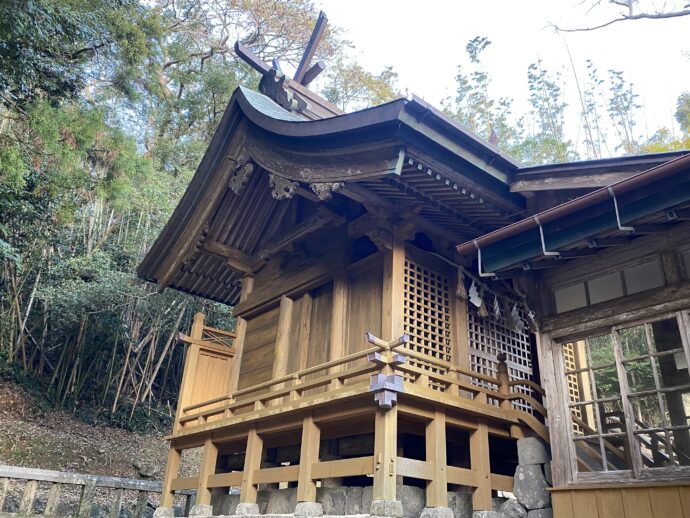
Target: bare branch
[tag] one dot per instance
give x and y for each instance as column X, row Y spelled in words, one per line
column 640, row 16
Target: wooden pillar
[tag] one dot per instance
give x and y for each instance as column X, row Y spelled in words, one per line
column 385, row 452
column 172, row 469
column 282, row 347
column 189, row 371
column 240, row 331
column 479, row 459
column 252, row 462
column 437, row 488
column 309, row 454
column 207, row 468
column 392, row 317
column 338, row 319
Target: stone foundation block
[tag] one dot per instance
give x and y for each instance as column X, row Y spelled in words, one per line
column 548, row 474
column 541, row 513
column 436, row 512
column 282, row 501
column 334, row 500
column 164, row 512
column 244, row 509
column 532, row 450
column 353, row 501
column 487, row 514
column 308, row 509
column 529, row 487
column 512, row 509
column 199, row 511
column 413, row 500
column 387, row 508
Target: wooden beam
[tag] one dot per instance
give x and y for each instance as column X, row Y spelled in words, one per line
column 338, row 320
column 313, row 71
column 312, row 44
column 184, row 483
column 414, row 468
column 309, row 454
column 343, row 468
column 252, row 462
column 251, row 59
column 207, row 468
column 392, row 309
column 233, row 479
column 479, row 458
column 385, row 453
column 603, row 242
column 236, row 259
column 277, row 474
column 172, row 469
column 437, row 488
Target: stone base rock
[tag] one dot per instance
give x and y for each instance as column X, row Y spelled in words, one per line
column 387, row 508
column 308, row 509
column 164, row 512
column 487, row 514
column 244, row 509
column 541, row 513
column 413, row 500
column 200, row 511
column 436, row 512
column 512, row 509
column 531, row 450
column 529, row 487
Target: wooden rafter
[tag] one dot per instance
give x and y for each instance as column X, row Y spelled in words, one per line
column 309, row 52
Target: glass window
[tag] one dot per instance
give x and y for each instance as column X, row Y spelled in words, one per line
column 631, row 387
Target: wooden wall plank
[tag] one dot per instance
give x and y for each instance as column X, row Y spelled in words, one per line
column 684, row 493
column 585, row 504
column 241, row 331
column 610, row 503
column 665, row 502
column 636, row 503
column 563, row 505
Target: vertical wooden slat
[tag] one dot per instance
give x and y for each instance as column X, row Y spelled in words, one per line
column 309, row 454
column 116, row 504
column 585, row 503
column 385, row 452
column 53, row 500
column 142, row 499
column 610, row 503
column 172, row 468
column 563, row 505
column 479, row 458
column 304, row 331
column 27, row 501
column 240, row 332
column 636, row 502
column 252, row 462
column 437, row 488
column 460, row 339
column 684, row 492
column 207, row 468
column 665, row 502
column 88, row 491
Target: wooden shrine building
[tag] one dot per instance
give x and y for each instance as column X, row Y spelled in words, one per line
column 372, row 351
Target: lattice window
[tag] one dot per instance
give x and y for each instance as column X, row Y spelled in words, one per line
column 427, row 315
column 490, row 336
column 572, row 380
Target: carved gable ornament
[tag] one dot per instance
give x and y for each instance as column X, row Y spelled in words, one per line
column 282, row 188
column 325, row 190
column 239, row 180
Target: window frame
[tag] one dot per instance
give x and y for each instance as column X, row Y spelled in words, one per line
column 636, row 473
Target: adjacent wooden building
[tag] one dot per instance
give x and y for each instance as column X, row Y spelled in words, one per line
column 371, row 349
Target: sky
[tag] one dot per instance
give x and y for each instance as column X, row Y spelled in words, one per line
column 424, row 41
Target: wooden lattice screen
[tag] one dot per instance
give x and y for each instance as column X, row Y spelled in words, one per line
column 490, row 336
column 427, row 314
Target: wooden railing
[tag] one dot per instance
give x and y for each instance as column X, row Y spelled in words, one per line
column 58, row 484
column 451, row 379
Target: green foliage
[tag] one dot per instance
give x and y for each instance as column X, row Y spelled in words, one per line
column 351, row 87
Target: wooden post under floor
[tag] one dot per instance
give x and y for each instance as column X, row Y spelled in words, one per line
column 172, row 469
column 309, row 454
column 385, row 452
column 437, row 487
column 479, row 459
column 252, row 462
column 207, row 468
